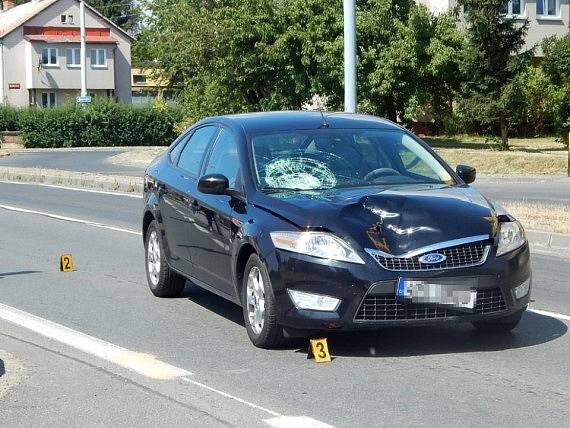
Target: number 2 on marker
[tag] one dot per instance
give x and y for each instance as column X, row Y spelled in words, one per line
column 66, row 263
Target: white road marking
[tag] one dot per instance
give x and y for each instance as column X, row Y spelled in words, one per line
column 71, row 219
column 232, row 397
column 77, row 189
column 141, row 363
column 550, row 314
column 278, row 420
column 296, row 422
column 144, row 364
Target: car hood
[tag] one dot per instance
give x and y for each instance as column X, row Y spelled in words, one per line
column 395, row 220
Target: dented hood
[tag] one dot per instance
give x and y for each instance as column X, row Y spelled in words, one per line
column 394, row 220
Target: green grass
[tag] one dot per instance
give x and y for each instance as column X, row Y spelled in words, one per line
column 527, row 156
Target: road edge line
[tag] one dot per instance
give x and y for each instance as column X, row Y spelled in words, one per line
column 77, row 189
column 70, row 219
column 556, row 315
column 143, row 364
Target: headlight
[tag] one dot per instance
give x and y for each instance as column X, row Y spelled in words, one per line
column 511, row 237
column 316, row 244
column 314, row 302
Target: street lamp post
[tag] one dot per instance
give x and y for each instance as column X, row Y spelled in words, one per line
column 83, row 49
column 350, row 56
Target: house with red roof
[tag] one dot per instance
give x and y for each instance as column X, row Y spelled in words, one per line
column 40, row 54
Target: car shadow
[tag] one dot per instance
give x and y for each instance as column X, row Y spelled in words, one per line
column 534, row 329
column 213, row 303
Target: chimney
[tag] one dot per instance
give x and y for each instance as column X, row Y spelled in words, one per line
column 8, row 4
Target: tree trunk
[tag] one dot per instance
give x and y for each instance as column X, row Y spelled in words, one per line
column 504, row 132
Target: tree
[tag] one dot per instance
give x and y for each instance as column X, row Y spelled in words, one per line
column 410, row 60
column 125, row 13
column 235, row 56
column 493, row 59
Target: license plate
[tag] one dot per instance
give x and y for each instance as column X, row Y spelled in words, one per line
column 418, row 291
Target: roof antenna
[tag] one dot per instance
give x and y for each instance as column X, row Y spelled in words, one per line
column 325, row 123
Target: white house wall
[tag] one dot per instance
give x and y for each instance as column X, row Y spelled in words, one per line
column 15, row 68
column 117, row 75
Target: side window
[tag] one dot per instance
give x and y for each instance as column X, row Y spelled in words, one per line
column 175, row 152
column 192, row 154
column 417, row 160
column 224, row 158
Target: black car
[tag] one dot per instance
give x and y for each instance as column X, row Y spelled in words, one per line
column 317, row 221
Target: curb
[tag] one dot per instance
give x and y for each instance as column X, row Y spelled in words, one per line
column 84, row 180
column 548, row 240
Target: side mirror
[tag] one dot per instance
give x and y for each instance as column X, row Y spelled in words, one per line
column 466, row 173
column 214, row 184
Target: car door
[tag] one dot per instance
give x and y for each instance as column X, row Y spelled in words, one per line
column 175, row 190
column 214, row 230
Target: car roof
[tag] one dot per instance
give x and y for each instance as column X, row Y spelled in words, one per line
column 253, row 123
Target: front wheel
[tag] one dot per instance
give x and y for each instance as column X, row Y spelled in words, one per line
column 499, row 325
column 162, row 281
column 259, row 308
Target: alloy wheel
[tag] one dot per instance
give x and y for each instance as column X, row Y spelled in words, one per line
column 255, row 300
column 153, row 258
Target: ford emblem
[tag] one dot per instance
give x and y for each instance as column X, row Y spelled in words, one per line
column 432, row 258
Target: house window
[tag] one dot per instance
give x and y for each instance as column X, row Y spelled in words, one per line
column 70, row 19
column 49, row 56
column 139, row 79
column 514, row 7
column 73, row 57
column 98, row 58
column 64, row 19
column 547, row 7
column 48, row 99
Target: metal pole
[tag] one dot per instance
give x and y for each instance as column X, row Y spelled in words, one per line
column 83, row 49
column 350, row 56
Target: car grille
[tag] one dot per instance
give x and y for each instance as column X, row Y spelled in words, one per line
column 388, row 308
column 461, row 256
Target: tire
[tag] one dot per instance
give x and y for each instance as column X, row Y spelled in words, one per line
column 162, row 281
column 499, row 325
column 264, row 332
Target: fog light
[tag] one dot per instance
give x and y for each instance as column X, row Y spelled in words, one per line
column 313, row 302
column 522, row 290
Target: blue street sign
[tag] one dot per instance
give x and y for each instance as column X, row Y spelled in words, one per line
column 83, row 100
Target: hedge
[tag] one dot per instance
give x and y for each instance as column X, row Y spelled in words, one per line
column 103, row 123
column 9, row 119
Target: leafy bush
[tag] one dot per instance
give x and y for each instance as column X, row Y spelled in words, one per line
column 103, row 123
column 9, row 119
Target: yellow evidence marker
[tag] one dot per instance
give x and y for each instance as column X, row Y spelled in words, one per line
column 320, row 350
column 66, row 263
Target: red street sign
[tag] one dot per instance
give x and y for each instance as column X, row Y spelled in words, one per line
column 13, row 86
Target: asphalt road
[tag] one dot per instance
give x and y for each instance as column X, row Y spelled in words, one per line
column 96, row 161
column 533, row 189
column 441, row 376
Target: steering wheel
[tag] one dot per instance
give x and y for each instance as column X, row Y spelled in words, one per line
column 380, row 172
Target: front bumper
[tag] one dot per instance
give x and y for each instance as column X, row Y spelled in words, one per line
column 373, row 287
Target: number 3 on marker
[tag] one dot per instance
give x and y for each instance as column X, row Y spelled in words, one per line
column 320, row 350
column 66, row 263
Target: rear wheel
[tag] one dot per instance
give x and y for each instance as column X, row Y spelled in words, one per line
column 259, row 308
column 499, row 325
column 162, row 281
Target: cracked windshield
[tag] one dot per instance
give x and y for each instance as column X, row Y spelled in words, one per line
column 326, row 159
